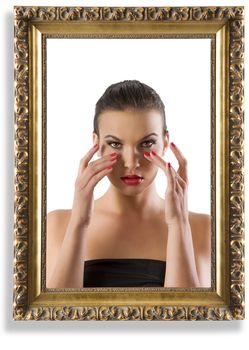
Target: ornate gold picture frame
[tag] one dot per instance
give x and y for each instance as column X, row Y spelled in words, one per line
column 225, row 299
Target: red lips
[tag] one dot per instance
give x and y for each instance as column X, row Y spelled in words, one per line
column 133, row 180
column 131, row 177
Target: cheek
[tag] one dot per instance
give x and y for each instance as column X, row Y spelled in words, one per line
column 157, row 147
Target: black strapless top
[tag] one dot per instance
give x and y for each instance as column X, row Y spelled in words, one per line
column 124, row 273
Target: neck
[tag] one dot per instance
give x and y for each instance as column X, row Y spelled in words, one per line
column 143, row 204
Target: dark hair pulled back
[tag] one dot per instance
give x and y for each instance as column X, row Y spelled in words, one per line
column 129, row 94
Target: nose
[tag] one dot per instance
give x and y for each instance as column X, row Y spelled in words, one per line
column 131, row 159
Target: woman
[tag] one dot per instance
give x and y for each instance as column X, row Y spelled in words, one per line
column 130, row 236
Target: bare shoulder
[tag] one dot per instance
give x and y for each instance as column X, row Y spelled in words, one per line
column 201, row 231
column 58, row 218
column 59, row 214
column 200, row 224
column 57, row 221
column 202, row 220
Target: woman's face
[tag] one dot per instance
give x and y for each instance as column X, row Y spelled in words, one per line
column 130, row 133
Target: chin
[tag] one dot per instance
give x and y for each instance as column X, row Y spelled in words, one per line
column 129, row 190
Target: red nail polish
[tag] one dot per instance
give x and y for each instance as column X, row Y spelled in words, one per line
column 113, row 154
column 172, row 144
column 169, row 165
column 96, row 145
column 147, row 154
column 109, row 167
column 153, row 152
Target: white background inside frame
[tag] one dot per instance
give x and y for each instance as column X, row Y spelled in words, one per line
column 78, row 72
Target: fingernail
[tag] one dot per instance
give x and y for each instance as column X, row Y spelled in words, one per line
column 153, row 152
column 172, row 144
column 147, row 154
column 113, row 154
column 169, row 165
column 109, row 167
column 96, row 145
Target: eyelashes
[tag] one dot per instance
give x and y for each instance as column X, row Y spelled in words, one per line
column 151, row 142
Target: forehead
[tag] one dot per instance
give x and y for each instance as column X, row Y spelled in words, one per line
column 123, row 124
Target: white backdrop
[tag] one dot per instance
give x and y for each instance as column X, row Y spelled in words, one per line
column 94, row 335
column 79, row 71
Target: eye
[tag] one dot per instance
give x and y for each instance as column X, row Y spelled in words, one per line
column 145, row 144
column 113, row 142
column 151, row 142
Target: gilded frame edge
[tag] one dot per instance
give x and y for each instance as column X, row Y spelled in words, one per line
column 40, row 310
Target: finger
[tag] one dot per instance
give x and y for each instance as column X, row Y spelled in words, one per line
column 178, row 178
column 178, row 188
column 161, row 163
column 95, row 169
column 170, row 179
column 156, row 159
column 86, row 159
column 182, row 171
column 97, row 177
column 179, row 182
column 106, row 157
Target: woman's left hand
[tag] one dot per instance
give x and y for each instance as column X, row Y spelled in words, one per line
column 176, row 195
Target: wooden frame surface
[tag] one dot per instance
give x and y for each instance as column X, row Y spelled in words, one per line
column 225, row 299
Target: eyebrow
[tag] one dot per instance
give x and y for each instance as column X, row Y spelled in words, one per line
column 116, row 138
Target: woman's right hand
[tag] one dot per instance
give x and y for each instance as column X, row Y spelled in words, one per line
column 89, row 174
